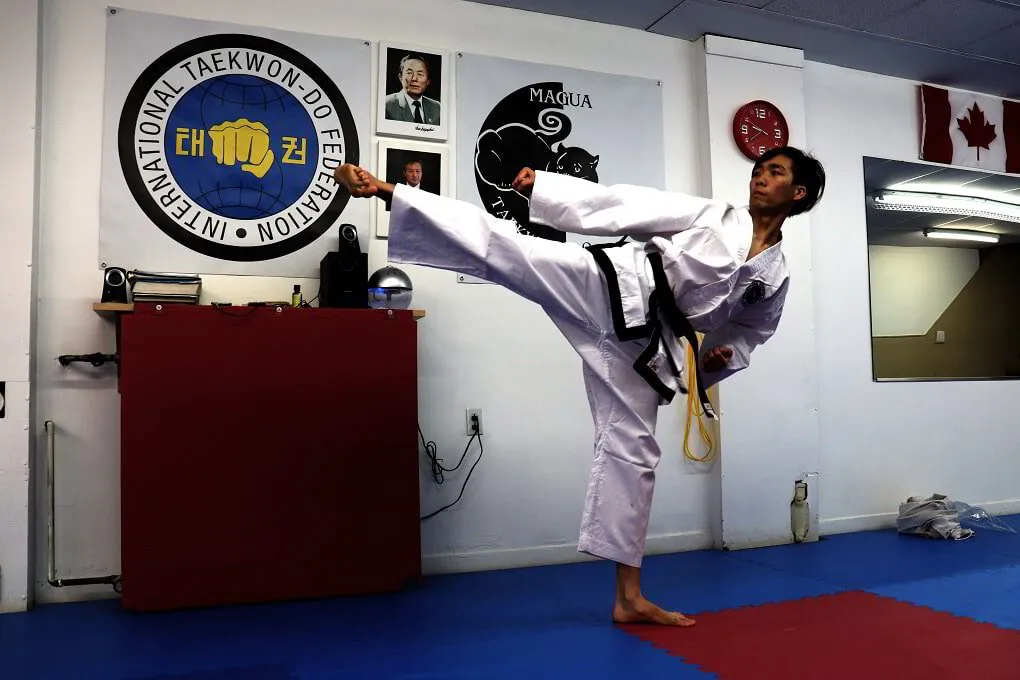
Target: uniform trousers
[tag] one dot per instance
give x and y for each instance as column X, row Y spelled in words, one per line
column 565, row 281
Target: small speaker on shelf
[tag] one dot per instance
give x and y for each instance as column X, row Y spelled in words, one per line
column 343, row 274
column 115, row 285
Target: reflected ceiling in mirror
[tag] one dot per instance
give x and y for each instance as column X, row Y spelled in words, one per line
column 944, row 270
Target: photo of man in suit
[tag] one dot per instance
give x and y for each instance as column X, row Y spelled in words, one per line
column 412, row 173
column 410, row 104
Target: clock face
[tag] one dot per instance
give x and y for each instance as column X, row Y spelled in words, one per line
column 759, row 126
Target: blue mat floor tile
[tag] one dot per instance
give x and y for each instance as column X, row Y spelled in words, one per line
column 523, row 623
column 879, row 558
column 987, row 596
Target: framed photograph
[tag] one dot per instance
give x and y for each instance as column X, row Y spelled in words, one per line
column 413, row 92
column 418, row 165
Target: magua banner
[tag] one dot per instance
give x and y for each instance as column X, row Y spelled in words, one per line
column 515, row 114
column 219, row 144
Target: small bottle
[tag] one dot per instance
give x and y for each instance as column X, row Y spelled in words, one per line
column 800, row 519
column 295, row 298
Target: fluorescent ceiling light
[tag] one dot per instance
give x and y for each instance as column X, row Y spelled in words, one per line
column 956, row 235
column 913, row 201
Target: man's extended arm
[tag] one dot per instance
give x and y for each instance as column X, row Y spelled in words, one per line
column 583, row 207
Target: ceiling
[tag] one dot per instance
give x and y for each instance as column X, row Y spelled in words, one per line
column 967, row 44
column 894, row 228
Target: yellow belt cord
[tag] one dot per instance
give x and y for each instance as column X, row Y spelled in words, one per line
column 695, row 410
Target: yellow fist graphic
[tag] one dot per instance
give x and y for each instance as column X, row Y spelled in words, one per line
column 245, row 142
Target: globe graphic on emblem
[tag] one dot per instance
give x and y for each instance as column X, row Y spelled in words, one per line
column 389, row 288
column 241, row 147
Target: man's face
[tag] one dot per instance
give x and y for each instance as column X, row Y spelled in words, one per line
column 412, row 174
column 772, row 189
column 414, row 77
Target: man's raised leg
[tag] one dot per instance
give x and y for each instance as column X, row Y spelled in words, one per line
column 444, row 233
column 440, row 232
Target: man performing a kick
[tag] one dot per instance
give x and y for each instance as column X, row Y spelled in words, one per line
column 698, row 266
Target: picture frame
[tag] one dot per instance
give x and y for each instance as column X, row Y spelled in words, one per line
column 403, row 161
column 401, row 70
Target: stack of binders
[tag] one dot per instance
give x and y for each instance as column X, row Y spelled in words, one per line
column 165, row 288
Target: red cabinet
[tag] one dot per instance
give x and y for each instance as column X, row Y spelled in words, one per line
column 267, row 454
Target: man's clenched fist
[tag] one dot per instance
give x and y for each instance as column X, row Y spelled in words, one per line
column 716, row 359
column 524, row 181
column 245, row 142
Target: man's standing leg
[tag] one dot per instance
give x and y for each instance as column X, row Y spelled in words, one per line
column 614, row 524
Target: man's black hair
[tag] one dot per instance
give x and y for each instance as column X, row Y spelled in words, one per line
column 807, row 172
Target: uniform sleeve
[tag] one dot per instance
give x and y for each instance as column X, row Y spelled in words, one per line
column 582, row 207
column 743, row 333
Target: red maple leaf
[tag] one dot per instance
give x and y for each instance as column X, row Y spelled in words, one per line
column 978, row 132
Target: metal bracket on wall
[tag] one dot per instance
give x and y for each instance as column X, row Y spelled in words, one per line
column 51, row 534
column 96, row 358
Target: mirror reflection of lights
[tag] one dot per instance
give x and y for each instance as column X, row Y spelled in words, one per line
column 958, row 235
column 911, row 201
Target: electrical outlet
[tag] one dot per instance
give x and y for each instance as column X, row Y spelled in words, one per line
column 940, row 337
column 468, row 424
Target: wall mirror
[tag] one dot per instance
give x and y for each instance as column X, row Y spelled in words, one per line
column 944, row 270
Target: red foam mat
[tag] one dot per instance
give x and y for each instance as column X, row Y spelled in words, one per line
column 847, row 635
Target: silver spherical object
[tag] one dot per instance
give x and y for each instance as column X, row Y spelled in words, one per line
column 389, row 288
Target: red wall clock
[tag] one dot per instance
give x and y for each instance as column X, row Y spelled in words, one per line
column 759, row 126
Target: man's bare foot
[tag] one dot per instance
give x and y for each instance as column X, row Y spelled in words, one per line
column 360, row 183
column 641, row 610
column 357, row 181
column 632, row 607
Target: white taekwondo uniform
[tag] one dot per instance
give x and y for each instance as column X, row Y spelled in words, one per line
column 605, row 301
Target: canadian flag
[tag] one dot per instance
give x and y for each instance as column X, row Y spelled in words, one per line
column 963, row 128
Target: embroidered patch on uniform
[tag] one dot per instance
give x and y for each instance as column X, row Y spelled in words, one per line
column 755, row 293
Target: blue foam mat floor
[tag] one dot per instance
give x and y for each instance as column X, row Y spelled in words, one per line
column 532, row 623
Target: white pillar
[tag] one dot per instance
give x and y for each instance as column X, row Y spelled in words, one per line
column 20, row 45
column 769, row 412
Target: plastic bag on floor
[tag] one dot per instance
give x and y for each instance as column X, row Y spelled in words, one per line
column 939, row 517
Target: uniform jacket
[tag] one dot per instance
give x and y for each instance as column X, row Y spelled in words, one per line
column 700, row 248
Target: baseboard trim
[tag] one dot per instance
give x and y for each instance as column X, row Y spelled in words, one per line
column 848, row 525
column 540, row 556
column 566, row 553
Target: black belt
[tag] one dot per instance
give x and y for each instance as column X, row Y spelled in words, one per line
column 678, row 322
column 660, row 299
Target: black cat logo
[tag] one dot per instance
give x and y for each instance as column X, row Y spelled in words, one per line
column 527, row 129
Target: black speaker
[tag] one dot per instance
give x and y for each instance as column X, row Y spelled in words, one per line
column 115, row 285
column 343, row 275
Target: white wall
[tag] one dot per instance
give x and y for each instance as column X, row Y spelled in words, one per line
column 912, row 287
column 882, row 442
column 768, row 442
column 479, row 345
column 18, row 113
